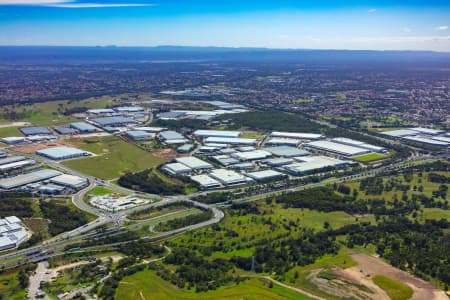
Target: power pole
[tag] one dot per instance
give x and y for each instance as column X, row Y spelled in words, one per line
column 253, row 265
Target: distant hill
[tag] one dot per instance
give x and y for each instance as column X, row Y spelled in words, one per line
column 43, row 55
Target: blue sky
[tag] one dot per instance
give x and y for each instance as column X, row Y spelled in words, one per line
column 314, row 24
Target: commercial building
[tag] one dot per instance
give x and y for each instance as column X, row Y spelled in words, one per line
column 12, row 233
column 194, row 163
column 228, row 177
column 170, row 137
column 50, row 189
column 117, row 121
column 297, row 135
column 265, row 175
column 27, row 178
column 251, row 155
column 71, row 181
column 176, row 169
column 83, row 127
column 12, row 159
column 286, row 151
column 309, row 164
column 225, row 160
column 62, row 152
column 283, row 141
column 14, row 140
column 114, row 203
column 37, row 130
column 340, row 149
column 65, row 130
column 216, row 133
column 205, row 181
column 16, row 165
column 350, row 142
column 230, row 141
column 139, row 135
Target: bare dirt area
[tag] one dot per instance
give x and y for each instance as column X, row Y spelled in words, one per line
column 166, row 154
column 69, row 266
column 31, row 148
column 368, row 266
column 15, row 124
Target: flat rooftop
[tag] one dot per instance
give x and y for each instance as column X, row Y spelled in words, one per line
column 231, row 141
column 27, row 178
column 194, row 162
column 216, row 133
column 341, row 149
column 62, row 152
column 297, row 135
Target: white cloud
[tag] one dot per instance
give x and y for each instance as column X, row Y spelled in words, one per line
column 443, row 27
column 372, row 10
column 69, row 3
column 407, row 29
column 401, row 39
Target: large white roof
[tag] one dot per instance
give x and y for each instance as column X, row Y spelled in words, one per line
column 297, row 135
column 228, row 176
column 342, row 149
column 251, row 155
column 216, row 133
column 205, row 180
column 232, row 141
column 194, row 162
column 266, row 174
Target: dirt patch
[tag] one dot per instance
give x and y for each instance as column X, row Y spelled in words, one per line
column 36, row 224
column 35, row 147
column 166, row 154
column 69, row 266
column 15, row 124
column 368, row 266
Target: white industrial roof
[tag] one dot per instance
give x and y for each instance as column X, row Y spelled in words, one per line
column 251, row 155
column 217, row 133
column 62, row 152
column 232, row 141
column 427, row 130
column 399, row 132
column 297, row 135
column 266, row 174
column 310, row 163
column 177, row 168
column 342, row 149
column 194, row 163
column 282, row 141
column 69, row 180
column 286, row 151
column 205, row 181
column 27, row 178
column 150, row 129
column 228, row 177
column 347, row 141
column 426, row 140
column 15, row 165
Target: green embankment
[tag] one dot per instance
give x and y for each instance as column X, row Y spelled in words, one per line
column 396, row 290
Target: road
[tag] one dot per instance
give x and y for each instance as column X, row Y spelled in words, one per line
column 35, row 280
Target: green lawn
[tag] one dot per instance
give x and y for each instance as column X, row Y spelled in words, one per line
column 370, row 157
column 10, row 131
column 100, row 191
column 147, row 285
column 396, row 290
column 9, row 286
column 114, row 157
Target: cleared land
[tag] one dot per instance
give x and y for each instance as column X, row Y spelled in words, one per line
column 114, row 157
column 147, row 285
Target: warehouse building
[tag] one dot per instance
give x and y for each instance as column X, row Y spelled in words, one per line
column 37, row 130
column 170, row 137
column 3, row 154
column 225, row 160
column 62, row 152
column 251, row 155
column 129, row 109
column 230, row 141
column 228, row 177
column 41, row 138
column 245, row 166
column 283, row 142
column 297, row 135
column 286, row 151
column 310, row 164
column 216, row 133
column 335, row 148
column 12, row 159
column 71, row 181
column 194, row 163
column 399, row 133
column 427, row 131
column 185, row 148
column 139, row 135
column 118, row 121
column 265, row 175
column 83, row 127
column 100, row 111
column 205, row 181
column 16, row 165
column 14, row 140
column 27, row 178
column 350, row 142
column 65, row 130
column 277, row 162
column 50, row 189
column 176, row 169
column 12, row 233
column 427, row 140
column 150, row 129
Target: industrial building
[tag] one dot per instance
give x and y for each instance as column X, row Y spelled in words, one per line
column 185, row 148
column 100, row 111
column 427, row 140
column 205, row 181
column 230, row 141
column 277, row 162
column 225, row 160
column 12, row 233
column 228, row 177
column 194, row 163
column 139, row 135
column 297, row 135
column 265, row 175
column 286, row 151
column 12, row 159
column 16, row 165
column 114, row 203
column 170, row 137
column 350, row 142
column 71, row 181
column 129, row 109
column 176, row 169
column 37, row 130
column 309, row 164
column 216, row 133
column 282, row 142
column 150, row 129
column 14, row 140
column 83, row 127
column 62, row 152
column 27, row 178
column 427, row 131
column 340, row 149
column 117, row 121
column 251, row 155
column 399, row 133
column 65, row 130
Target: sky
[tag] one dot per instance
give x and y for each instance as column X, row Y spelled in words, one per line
column 313, row 24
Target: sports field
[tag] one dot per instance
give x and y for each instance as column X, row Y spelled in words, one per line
column 147, row 285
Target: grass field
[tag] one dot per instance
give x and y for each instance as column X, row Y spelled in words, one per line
column 9, row 286
column 100, row 191
column 147, row 285
column 396, row 290
column 114, row 157
column 10, row 131
column 370, row 157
